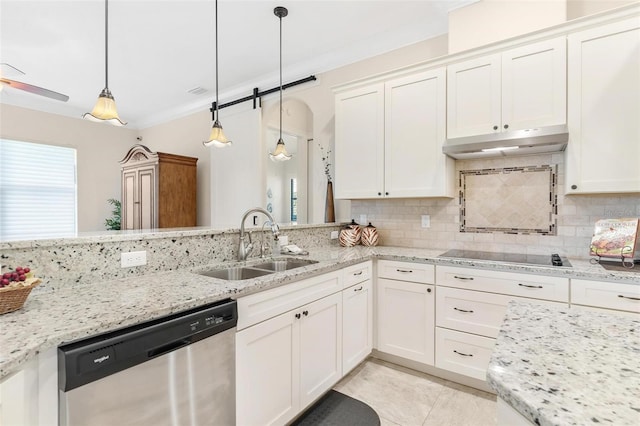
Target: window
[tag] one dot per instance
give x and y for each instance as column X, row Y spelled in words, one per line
column 37, row 191
column 294, row 200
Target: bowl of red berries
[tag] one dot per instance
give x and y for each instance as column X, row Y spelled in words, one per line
column 15, row 287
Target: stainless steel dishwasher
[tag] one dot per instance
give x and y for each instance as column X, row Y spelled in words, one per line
column 176, row 370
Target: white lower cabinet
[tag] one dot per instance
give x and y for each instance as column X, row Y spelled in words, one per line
column 598, row 294
column 470, row 307
column 286, row 362
column 463, row 353
column 357, row 322
column 406, row 317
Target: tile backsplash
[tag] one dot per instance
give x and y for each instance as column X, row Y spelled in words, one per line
column 399, row 220
column 509, row 200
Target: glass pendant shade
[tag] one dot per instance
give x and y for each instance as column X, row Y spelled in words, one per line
column 217, row 137
column 105, row 110
column 280, row 154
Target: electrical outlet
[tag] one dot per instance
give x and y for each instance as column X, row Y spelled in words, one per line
column 334, row 235
column 283, row 239
column 133, row 258
column 363, row 219
column 426, row 221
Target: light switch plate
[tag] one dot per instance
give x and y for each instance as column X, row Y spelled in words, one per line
column 133, row 258
column 363, row 219
column 426, row 221
column 334, row 235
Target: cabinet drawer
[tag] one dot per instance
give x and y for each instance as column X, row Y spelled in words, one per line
column 267, row 304
column 405, row 271
column 624, row 297
column 463, row 353
column 356, row 274
column 509, row 283
column 474, row 311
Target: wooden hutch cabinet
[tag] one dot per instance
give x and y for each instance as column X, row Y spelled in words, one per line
column 158, row 189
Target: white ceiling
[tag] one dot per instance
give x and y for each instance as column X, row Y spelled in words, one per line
column 161, row 49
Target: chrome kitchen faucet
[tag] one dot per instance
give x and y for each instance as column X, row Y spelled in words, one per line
column 244, row 250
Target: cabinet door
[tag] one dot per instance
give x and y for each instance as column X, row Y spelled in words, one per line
column 129, row 187
column 320, row 351
column 473, row 97
column 415, row 120
column 146, row 198
column 357, row 322
column 534, row 85
column 267, row 366
column 603, row 153
column 406, row 320
column 359, row 144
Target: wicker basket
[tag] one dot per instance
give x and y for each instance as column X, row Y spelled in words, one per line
column 13, row 298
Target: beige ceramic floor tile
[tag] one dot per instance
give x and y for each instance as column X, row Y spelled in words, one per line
column 398, row 395
column 460, row 405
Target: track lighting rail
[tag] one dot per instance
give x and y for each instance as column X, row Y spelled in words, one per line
column 257, row 95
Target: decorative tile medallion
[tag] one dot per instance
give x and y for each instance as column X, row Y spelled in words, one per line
column 510, row 200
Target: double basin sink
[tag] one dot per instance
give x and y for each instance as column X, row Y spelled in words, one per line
column 257, row 270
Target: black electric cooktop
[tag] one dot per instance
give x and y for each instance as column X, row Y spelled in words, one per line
column 529, row 259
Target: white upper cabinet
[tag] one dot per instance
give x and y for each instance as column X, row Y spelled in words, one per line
column 603, row 153
column 389, row 139
column 359, row 145
column 517, row 89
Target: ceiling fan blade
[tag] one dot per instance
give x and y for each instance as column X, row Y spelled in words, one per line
column 35, row 89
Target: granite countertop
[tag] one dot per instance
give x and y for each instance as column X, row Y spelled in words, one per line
column 557, row 366
column 49, row 319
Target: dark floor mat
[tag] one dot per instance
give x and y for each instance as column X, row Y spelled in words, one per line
column 337, row 409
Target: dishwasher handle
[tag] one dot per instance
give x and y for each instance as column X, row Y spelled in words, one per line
column 169, row 347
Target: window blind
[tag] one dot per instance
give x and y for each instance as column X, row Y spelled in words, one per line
column 37, row 191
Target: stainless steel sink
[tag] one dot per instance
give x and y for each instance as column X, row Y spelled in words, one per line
column 279, row 265
column 257, row 270
column 236, row 274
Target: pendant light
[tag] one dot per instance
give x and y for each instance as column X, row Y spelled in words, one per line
column 105, row 109
column 280, row 154
column 217, row 137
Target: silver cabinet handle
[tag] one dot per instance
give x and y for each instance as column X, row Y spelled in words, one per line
column 629, row 297
column 530, row 286
column 463, row 278
column 463, row 310
column 404, row 270
column 462, row 354
column 357, row 273
column 358, row 289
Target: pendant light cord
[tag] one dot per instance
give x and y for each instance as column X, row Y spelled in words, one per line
column 216, row 117
column 106, row 44
column 281, row 77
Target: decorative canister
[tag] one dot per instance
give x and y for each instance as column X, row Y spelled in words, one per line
column 350, row 235
column 369, row 236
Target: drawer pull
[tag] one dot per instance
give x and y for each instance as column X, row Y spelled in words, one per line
column 357, row 289
column 462, row 354
column 298, row 316
column 530, row 286
column 463, row 310
column 357, row 273
column 629, row 297
column 463, row 278
column 404, row 270
column 305, row 313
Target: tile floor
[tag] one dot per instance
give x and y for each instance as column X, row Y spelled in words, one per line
column 404, row 397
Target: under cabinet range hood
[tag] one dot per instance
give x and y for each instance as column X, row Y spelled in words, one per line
column 513, row 142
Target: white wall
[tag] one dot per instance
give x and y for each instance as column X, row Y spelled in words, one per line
column 99, row 149
column 489, row 21
column 580, row 8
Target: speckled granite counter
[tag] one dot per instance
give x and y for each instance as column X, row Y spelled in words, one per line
column 557, row 366
column 82, row 310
